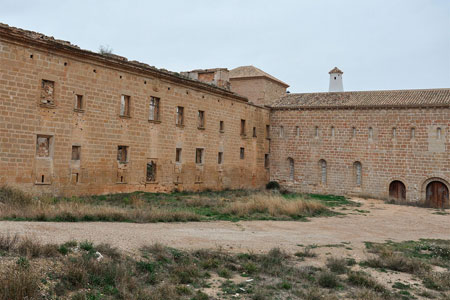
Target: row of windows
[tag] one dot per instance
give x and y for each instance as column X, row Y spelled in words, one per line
column 354, row 132
column 322, row 170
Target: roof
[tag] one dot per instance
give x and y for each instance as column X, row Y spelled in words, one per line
column 375, row 99
column 251, row 72
column 335, row 70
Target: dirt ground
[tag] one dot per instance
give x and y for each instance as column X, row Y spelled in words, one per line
column 374, row 221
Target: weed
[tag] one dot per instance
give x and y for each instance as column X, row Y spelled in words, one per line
column 87, row 245
column 328, row 280
column 337, row 265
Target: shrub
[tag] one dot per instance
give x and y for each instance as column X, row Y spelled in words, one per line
column 307, row 252
column 273, row 185
column 364, row 280
column 328, row 280
column 337, row 265
column 86, row 245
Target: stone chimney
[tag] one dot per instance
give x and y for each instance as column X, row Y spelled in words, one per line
column 336, row 84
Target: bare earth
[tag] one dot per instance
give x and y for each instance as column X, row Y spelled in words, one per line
column 375, row 221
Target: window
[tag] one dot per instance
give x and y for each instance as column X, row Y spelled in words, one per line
column 151, row 172
column 297, row 131
column 353, row 132
column 394, row 132
column 180, row 116
column 221, row 126
column 76, row 152
column 199, row 155
column 316, row 132
column 358, row 173
column 178, row 155
column 125, row 106
column 370, row 133
column 201, row 119
column 243, row 127
column 43, row 146
column 47, row 92
column 291, row 168
column 79, row 105
column 266, row 161
column 254, row 131
column 413, row 133
column 332, row 131
column 267, row 131
column 323, row 171
column 220, row 158
column 438, row 133
column 122, row 154
column 154, row 109
column 242, row 153
column 281, row 131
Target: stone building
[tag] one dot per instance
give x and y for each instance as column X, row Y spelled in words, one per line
column 78, row 122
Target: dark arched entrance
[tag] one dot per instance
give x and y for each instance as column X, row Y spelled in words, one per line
column 437, row 195
column 397, row 191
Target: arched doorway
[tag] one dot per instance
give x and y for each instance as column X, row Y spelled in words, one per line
column 397, row 191
column 437, row 195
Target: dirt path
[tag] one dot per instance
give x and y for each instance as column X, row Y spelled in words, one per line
column 382, row 222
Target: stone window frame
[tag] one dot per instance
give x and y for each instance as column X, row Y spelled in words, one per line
column 267, row 131
column 154, row 179
column 220, row 158
column 221, row 126
column 291, row 168
column 178, row 155
column 180, row 116
column 156, row 109
column 199, row 156
column 412, row 133
column 51, row 139
column 201, row 120
column 85, row 96
column 316, row 132
column 254, row 132
column 243, row 128
column 242, row 153
column 79, row 152
column 281, row 133
column 48, row 77
column 323, row 172
column 127, row 154
column 357, row 173
column 267, row 160
column 127, row 105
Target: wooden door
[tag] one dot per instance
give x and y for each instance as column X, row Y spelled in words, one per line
column 397, row 191
column 437, row 195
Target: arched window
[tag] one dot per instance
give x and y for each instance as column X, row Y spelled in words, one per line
column 291, row 168
column 323, row 171
column 413, row 132
column 358, row 173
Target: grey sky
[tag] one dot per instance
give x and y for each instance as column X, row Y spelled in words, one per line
column 383, row 44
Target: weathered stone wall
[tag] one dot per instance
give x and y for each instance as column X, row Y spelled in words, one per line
column 412, row 152
column 98, row 128
column 258, row 90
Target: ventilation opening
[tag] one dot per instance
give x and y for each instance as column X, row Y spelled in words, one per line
column 42, row 179
column 76, row 177
column 95, row 71
column 121, row 178
column 31, row 55
column 145, row 82
column 65, row 64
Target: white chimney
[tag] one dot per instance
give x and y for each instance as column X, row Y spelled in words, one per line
column 336, row 80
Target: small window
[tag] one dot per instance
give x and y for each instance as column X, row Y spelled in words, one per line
column 79, row 105
column 413, row 133
column 394, row 132
column 243, row 127
column 151, row 171
column 370, row 133
column 438, row 133
column 122, row 154
column 125, row 106
column 316, row 131
column 267, row 131
column 353, row 132
column 221, row 126
column 266, row 161
column 297, row 131
column 323, row 171
column 332, row 131
column 199, row 155
column 180, row 116
column 43, row 146
column 220, row 158
column 358, row 173
column 178, row 155
column 242, row 153
column 201, row 119
column 254, row 131
column 281, row 131
column 291, row 168
column 76, row 152
column 48, row 92
column 154, row 114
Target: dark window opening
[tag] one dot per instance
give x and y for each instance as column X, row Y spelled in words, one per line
column 79, row 102
column 180, row 116
column 201, row 119
column 242, row 153
column 151, row 172
column 122, row 154
column 267, row 131
column 254, row 131
column 178, row 155
column 266, row 161
column 42, row 179
column 221, row 126
column 220, row 158
column 154, row 109
column 199, row 155
column 243, row 127
column 76, row 152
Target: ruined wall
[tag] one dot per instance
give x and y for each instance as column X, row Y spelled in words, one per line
column 258, row 90
column 50, row 144
column 407, row 144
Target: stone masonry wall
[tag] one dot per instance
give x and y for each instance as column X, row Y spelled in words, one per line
column 38, row 95
column 403, row 144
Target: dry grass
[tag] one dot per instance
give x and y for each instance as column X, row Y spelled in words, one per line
column 275, row 205
column 18, row 283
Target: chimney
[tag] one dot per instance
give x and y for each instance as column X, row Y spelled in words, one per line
column 336, row 80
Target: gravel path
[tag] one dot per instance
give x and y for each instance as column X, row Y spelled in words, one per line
column 383, row 222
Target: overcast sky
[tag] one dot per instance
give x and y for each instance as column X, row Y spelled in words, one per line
column 382, row 44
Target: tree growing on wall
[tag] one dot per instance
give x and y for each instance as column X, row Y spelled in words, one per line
column 105, row 50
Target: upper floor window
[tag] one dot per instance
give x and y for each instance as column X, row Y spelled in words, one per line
column 178, row 155
column 413, row 133
column 267, row 131
column 297, row 131
column 76, row 152
column 394, row 132
column 201, row 119
column 332, row 131
column 199, row 152
column 281, row 131
column 154, row 114
column 438, row 133
column 242, row 127
column 266, row 161
column 353, row 132
column 316, row 131
column 125, row 106
column 370, row 133
column 47, row 92
column 122, row 154
column 180, row 116
column 242, row 153
column 254, row 131
column 221, row 126
column 220, row 158
column 79, row 102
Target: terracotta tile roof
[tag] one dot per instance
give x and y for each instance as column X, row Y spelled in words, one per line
column 251, row 71
column 335, row 70
column 394, row 98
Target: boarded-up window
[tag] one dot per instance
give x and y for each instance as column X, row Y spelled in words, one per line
column 122, row 154
column 76, row 152
column 323, row 171
column 199, row 155
column 358, row 173
column 221, row 126
column 291, row 168
column 43, row 146
column 125, row 106
column 242, row 153
column 48, row 92
column 180, row 116
column 220, row 158
column 154, row 109
column 151, row 171
column 79, row 102
column 201, row 119
column 178, row 155
column 266, row 161
column 243, row 127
